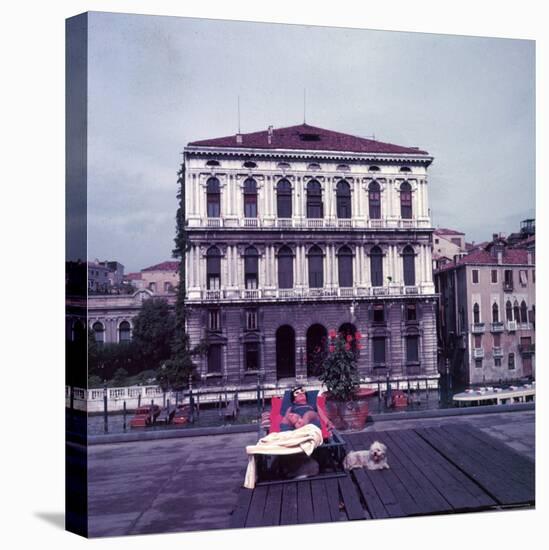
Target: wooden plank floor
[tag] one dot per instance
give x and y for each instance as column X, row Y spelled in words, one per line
column 432, row 471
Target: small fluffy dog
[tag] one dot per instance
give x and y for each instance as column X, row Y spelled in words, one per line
column 374, row 458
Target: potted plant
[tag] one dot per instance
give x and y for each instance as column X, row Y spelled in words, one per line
column 346, row 405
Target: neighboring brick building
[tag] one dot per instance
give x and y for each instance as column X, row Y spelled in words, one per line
column 487, row 313
column 447, row 245
column 296, row 231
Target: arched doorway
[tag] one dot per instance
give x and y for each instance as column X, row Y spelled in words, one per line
column 316, row 349
column 285, row 352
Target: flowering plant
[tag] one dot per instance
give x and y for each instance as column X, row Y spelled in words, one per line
column 339, row 368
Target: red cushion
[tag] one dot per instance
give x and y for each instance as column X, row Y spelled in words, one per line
column 321, row 406
column 276, row 417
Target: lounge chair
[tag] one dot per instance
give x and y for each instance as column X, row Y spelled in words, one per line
column 329, row 455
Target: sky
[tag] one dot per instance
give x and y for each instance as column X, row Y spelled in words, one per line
column 157, row 83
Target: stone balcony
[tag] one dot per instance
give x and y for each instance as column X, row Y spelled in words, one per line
column 527, row 349
column 497, row 352
column 497, row 327
column 332, row 223
column 235, row 294
column 478, row 353
column 478, row 328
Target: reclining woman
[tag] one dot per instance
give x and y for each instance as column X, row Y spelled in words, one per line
column 299, row 413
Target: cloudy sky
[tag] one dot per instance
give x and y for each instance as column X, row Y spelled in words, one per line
column 156, row 83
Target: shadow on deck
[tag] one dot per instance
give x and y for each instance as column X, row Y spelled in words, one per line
column 441, row 470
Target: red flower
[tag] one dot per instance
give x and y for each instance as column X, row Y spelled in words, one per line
column 348, row 346
column 331, row 348
column 358, row 336
column 349, row 338
column 358, row 346
column 332, row 334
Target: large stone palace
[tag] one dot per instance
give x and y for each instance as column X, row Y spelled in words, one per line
column 298, row 231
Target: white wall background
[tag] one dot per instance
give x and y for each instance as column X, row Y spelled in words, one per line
column 32, row 218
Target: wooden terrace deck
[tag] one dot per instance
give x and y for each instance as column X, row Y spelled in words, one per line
column 432, row 471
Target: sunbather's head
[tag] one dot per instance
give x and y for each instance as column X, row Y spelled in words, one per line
column 299, row 395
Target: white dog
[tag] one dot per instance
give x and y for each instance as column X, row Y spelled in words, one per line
column 374, row 458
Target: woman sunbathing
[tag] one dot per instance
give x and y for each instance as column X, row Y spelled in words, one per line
column 299, row 413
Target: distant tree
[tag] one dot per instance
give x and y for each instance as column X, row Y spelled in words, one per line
column 120, row 377
column 174, row 373
column 153, row 332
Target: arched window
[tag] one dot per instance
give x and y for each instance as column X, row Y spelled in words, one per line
column 213, row 198
column 314, row 200
column 495, row 313
column 405, row 169
column 285, row 352
column 124, row 332
column 250, row 198
column 409, row 265
column 316, row 271
column 250, row 267
column 516, row 311
column 343, row 197
column 374, row 200
column 523, row 312
column 284, row 199
column 376, row 266
column 508, row 311
column 345, row 266
column 406, row 201
column 476, row 313
column 212, row 163
column 285, row 268
column 99, row 332
column 213, row 268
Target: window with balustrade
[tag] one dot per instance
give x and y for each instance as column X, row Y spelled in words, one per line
column 213, row 198
column 316, row 269
column 124, row 332
column 406, row 201
column 509, row 311
column 213, row 268
column 374, row 200
column 251, row 261
column 409, row 265
column 284, row 199
column 376, row 266
column 250, row 198
column 345, row 266
column 343, row 200
column 315, row 208
column 285, row 261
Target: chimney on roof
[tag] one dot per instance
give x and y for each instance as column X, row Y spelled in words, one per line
column 270, row 135
column 239, row 139
column 495, row 237
column 529, row 257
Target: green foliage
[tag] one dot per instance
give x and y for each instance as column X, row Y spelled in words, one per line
column 339, row 369
column 153, row 332
column 95, row 382
column 120, row 377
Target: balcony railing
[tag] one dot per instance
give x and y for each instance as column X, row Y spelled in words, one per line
column 478, row 353
column 497, row 327
column 497, row 352
column 508, row 286
column 527, row 349
column 376, row 224
column 214, row 222
column 314, row 223
column 511, row 326
column 344, row 223
column 304, row 293
column 478, row 328
column 251, row 222
column 284, row 222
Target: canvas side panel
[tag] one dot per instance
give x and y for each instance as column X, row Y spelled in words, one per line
column 76, row 463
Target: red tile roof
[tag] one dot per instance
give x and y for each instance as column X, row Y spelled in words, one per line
column 164, row 266
column 443, row 231
column 308, row 137
column 133, row 276
column 511, row 256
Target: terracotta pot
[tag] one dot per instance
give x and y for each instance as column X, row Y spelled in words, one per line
column 351, row 414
